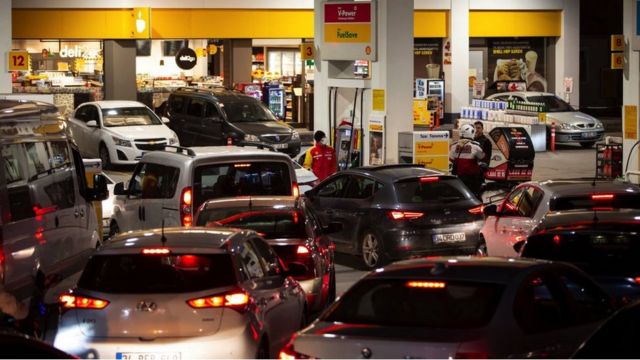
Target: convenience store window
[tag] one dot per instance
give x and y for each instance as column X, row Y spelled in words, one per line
column 286, row 62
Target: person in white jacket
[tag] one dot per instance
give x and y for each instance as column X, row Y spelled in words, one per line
column 465, row 155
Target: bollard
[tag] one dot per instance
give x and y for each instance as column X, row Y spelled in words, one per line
column 553, row 137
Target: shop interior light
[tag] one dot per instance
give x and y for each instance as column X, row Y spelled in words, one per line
column 140, row 23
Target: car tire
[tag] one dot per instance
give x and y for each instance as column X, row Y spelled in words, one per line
column 104, row 157
column 481, row 249
column 113, row 229
column 588, row 144
column 371, row 251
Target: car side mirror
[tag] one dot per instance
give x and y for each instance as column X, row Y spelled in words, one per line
column 332, row 228
column 165, row 120
column 296, row 269
column 119, row 189
column 99, row 192
column 490, row 210
column 92, row 123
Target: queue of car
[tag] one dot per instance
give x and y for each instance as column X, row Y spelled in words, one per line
column 216, row 252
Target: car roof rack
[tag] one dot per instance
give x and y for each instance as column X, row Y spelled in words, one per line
column 181, row 150
column 258, row 145
column 390, row 166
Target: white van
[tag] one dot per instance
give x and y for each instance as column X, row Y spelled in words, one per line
column 47, row 220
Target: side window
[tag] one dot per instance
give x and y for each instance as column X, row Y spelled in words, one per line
column 529, row 201
column 196, row 108
column 251, row 261
column 539, row 307
column 359, row 188
column 159, row 181
column 60, row 157
column 92, row 114
column 80, row 172
column 590, row 303
column 37, row 159
column 510, row 204
column 334, row 188
column 62, row 191
column 20, row 204
column 81, row 113
column 176, row 105
column 268, row 257
column 211, row 111
column 135, row 185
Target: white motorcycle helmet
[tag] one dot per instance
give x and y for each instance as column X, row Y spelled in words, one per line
column 467, row 131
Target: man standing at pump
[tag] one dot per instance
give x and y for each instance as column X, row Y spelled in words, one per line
column 320, row 158
column 466, row 155
column 484, row 143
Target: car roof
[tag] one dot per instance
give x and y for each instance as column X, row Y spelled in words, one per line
column 220, row 93
column 282, row 202
column 560, row 220
column 523, row 93
column 583, row 187
column 176, row 237
column 222, row 152
column 116, row 104
column 467, row 268
column 392, row 173
column 26, row 109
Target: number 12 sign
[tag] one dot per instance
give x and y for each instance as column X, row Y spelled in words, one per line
column 18, row 60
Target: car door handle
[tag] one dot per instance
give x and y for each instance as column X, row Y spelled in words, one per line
column 144, row 214
column 139, row 212
column 56, row 221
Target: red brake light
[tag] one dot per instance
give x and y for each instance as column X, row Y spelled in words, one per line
column 302, row 250
column 156, row 251
column 471, row 355
column 70, row 301
column 556, row 239
column 404, row 215
column 186, row 200
column 426, row 284
column 597, row 197
column 289, row 353
column 295, row 190
column 637, row 280
column 429, row 179
column 236, row 299
column 476, row 210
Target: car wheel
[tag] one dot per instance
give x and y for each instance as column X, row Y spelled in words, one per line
column 371, row 250
column 481, row 249
column 104, row 157
column 588, row 144
column 113, row 229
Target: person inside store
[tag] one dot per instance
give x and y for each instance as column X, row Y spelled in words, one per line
column 466, row 155
column 320, row 158
column 484, row 143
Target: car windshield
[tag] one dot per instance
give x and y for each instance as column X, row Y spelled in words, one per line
column 138, row 274
column 133, row 116
column 590, row 201
column 598, row 252
column 418, row 303
column 553, row 103
column 270, row 223
column 241, row 179
column 420, row 190
column 249, row 110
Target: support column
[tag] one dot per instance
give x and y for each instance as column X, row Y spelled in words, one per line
column 237, row 61
column 459, row 73
column 568, row 52
column 120, row 70
column 630, row 86
column 5, row 45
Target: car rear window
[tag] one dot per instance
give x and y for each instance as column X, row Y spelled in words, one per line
column 587, row 201
column 142, row 274
column 394, row 302
column 268, row 222
column 443, row 189
column 241, row 179
column 612, row 252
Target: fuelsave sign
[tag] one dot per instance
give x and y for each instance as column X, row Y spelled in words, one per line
column 351, row 24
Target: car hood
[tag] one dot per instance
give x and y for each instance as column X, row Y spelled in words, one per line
column 264, row 127
column 142, row 132
column 572, row 117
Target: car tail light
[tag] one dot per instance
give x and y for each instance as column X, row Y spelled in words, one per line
column 236, row 299
column 186, row 200
column 429, row 179
column 471, row 355
column 476, row 210
column 1, row 264
column 289, row 353
column 404, row 215
column 155, row 251
column 637, row 280
column 602, row 197
column 295, row 190
column 71, row 301
column 302, row 250
column 426, row 284
column 556, row 239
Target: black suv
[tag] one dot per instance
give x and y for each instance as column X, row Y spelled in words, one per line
column 213, row 116
column 393, row 212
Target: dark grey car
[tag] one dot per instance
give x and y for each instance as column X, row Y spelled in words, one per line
column 398, row 211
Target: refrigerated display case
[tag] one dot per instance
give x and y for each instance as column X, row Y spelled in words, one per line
column 276, row 101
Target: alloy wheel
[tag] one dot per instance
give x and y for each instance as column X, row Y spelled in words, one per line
column 370, row 250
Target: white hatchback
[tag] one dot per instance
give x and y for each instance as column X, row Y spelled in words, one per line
column 119, row 132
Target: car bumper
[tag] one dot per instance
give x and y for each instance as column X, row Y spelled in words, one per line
column 407, row 243
column 231, row 343
column 579, row 136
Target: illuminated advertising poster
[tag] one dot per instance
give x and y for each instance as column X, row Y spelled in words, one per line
column 427, row 58
column 517, row 61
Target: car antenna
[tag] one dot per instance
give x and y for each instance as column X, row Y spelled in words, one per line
column 163, row 238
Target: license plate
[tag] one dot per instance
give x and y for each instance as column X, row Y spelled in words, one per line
column 147, row 356
column 281, row 146
column 449, row 238
column 589, row 134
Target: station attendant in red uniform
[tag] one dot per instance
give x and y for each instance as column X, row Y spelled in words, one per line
column 466, row 155
column 321, row 158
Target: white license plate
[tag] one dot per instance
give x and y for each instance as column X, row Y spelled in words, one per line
column 449, row 238
column 281, row 146
column 589, row 134
column 147, row 356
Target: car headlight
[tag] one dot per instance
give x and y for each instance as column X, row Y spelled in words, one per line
column 121, row 142
column 295, row 135
column 252, row 138
column 565, row 126
column 173, row 140
column 599, row 125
